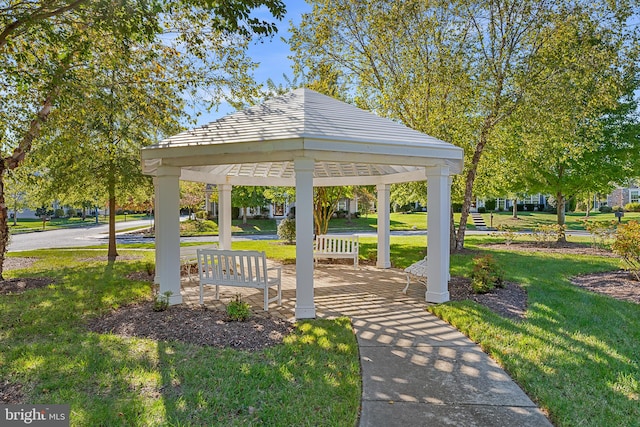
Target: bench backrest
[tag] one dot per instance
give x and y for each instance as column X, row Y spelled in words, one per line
column 228, row 266
column 336, row 244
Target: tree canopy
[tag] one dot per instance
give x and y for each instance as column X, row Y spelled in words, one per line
column 460, row 71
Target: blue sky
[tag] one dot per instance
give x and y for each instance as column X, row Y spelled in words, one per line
column 271, row 55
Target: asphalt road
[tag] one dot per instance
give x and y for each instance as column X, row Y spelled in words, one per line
column 68, row 237
column 98, row 235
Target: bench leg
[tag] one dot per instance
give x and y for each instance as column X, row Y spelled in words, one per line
column 404, row 291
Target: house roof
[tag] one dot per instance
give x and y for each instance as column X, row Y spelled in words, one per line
column 349, row 146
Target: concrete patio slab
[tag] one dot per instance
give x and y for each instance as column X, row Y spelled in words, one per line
column 417, row 370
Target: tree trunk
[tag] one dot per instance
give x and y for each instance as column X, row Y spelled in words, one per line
column 588, row 207
column 244, row 215
column 112, row 252
column 12, row 162
column 470, row 179
column 515, row 208
column 561, row 202
column 452, row 234
column 4, row 223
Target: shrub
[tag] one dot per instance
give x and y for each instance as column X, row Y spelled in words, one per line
column 602, row 232
column 627, row 245
column 546, row 234
column 482, row 209
column 238, row 309
column 486, row 275
column 201, row 215
column 490, row 204
column 617, row 208
column 509, row 234
column 161, row 301
column 287, row 230
column 58, row 213
column 71, row 212
column 632, row 207
column 605, row 209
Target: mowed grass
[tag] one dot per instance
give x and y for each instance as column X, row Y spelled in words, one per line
column 577, row 353
column 313, row 378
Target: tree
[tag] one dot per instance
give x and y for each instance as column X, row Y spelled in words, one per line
column 247, row 197
column 325, row 203
column 192, row 195
column 44, row 44
column 18, row 192
column 466, row 76
column 581, row 134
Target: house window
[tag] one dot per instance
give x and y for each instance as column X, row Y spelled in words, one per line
column 278, row 209
column 634, row 196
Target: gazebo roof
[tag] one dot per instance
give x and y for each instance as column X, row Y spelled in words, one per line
column 350, row 146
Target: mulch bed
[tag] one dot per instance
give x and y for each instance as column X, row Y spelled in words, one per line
column 194, row 325
column 616, row 284
column 509, row 302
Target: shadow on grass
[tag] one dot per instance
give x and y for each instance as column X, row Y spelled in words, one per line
column 575, row 347
column 311, row 379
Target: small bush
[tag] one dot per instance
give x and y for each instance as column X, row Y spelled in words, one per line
column 490, row 204
column 71, row 212
column 201, row 215
column 161, row 301
column 632, row 207
column 509, row 234
column 547, row 234
column 58, row 213
column 482, row 209
column 605, row 209
column 627, row 245
column 602, row 232
column 486, row 275
column 617, row 208
column 238, row 310
column 287, row 230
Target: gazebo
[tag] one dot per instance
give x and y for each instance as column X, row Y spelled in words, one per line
column 303, row 139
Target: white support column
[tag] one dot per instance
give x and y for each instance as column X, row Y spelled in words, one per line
column 438, row 220
column 224, row 216
column 168, row 232
column 305, row 306
column 384, row 251
column 156, row 215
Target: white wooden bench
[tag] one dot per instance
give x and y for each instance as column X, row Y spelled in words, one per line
column 327, row 246
column 220, row 267
column 189, row 259
column 418, row 271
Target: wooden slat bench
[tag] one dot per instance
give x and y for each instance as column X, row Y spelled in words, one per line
column 220, row 267
column 417, row 270
column 189, row 259
column 327, row 246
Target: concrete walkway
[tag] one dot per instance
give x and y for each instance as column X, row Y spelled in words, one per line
column 416, row 369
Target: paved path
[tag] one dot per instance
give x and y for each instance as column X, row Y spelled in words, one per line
column 417, row 370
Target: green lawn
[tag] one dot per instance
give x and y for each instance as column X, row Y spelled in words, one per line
column 313, row 378
column 575, row 353
column 530, row 220
column 29, row 225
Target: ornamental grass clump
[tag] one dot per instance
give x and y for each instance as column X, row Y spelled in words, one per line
column 627, row 245
column 486, row 275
